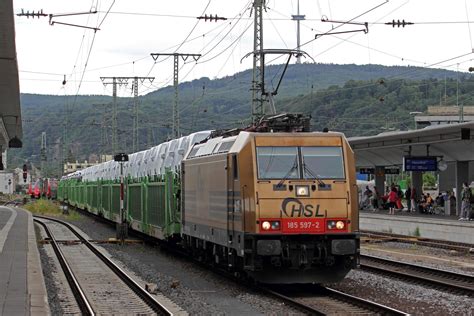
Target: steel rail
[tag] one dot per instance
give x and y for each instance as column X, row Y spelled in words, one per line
column 134, row 286
column 300, row 306
column 334, row 295
column 451, row 281
column 14, row 201
column 379, row 308
column 81, row 299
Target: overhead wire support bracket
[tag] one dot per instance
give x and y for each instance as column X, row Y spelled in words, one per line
column 183, row 56
column 51, row 22
column 76, row 25
column 325, row 19
column 40, row 13
column 262, row 53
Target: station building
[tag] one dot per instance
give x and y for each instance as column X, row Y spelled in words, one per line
column 441, row 115
column 450, row 147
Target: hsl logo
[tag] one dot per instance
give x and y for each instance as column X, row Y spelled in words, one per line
column 293, row 207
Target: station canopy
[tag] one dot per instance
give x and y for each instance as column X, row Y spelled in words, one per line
column 449, row 142
column 10, row 112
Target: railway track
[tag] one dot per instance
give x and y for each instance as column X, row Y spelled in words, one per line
column 318, row 300
column 371, row 236
column 14, row 202
column 98, row 285
column 446, row 280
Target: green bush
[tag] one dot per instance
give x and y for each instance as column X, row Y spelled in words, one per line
column 43, row 207
column 50, row 208
column 417, row 232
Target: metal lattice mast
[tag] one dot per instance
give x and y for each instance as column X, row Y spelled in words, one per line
column 258, row 63
column 148, row 137
column 103, row 138
column 65, row 138
column 124, row 81
column 298, row 18
column 103, row 132
column 43, row 153
column 114, row 116
column 175, row 106
column 135, row 117
column 176, row 132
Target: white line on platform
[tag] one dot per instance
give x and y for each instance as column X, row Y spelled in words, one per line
column 6, row 229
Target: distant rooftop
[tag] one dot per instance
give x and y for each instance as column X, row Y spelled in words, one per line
column 447, row 114
column 449, row 110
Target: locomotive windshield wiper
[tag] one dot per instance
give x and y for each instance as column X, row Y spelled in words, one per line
column 287, row 175
column 312, row 174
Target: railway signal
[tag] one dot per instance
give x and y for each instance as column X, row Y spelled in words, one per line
column 25, row 172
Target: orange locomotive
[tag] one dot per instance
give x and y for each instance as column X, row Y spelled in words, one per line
column 280, row 207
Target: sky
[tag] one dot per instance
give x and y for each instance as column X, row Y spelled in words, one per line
column 442, row 36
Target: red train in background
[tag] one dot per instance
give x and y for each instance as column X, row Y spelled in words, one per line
column 44, row 187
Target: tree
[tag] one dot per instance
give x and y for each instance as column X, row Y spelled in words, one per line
column 429, row 180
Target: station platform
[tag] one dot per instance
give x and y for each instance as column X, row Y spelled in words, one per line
column 22, row 287
column 421, row 225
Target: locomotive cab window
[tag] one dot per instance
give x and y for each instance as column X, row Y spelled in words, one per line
column 300, row 163
column 278, row 162
column 322, row 162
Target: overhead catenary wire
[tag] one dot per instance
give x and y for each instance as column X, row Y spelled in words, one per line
column 235, row 46
column 192, row 17
column 184, row 41
column 392, row 11
column 239, row 15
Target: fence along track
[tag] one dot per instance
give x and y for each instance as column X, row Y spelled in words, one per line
column 315, row 300
column 451, row 281
column 144, row 296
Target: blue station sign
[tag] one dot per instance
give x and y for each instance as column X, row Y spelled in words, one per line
column 427, row 163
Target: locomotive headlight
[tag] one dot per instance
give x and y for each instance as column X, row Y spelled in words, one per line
column 331, row 224
column 302, row 190
column 340, row 225
column 275, row 225
column 266, row 225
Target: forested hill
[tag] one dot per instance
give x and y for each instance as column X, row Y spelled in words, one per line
column 349, row 98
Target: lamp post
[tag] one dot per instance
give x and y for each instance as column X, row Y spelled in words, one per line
column 122, row 227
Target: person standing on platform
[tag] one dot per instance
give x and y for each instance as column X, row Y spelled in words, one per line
column 376, row 199
column 408, row 198
column 368, row 195
column 413, row 200
column 465, row 202
column 392, row 200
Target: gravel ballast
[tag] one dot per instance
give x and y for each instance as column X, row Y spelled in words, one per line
column 195, row 289
column 198, row 290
